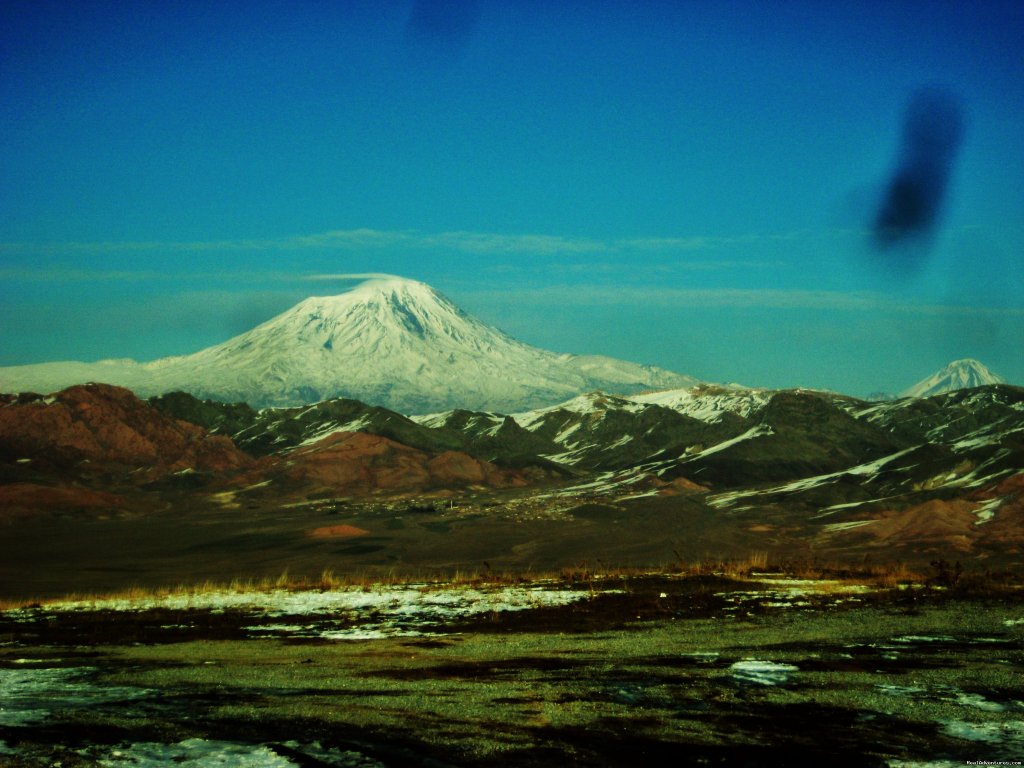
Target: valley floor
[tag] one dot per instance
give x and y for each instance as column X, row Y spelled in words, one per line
column 656, row 669
column 227, row 536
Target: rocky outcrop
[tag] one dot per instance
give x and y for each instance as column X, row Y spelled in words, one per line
column 85, row 447
column 103, row 430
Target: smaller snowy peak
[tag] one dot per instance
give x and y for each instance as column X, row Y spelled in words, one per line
column 960, row 374
column 595, row 402
column 709, row 402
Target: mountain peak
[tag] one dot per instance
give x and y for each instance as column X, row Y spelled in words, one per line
column 385, row 286
column 377, row 317
column 390, row 283
column 959, row 374
column 389, row 341
column 393, row 290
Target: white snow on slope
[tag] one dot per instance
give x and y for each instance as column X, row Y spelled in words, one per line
column 582, row 405
column 432, row 420
column 758, row 430
column 334, row 427
column 709, row 404
column 867, row 469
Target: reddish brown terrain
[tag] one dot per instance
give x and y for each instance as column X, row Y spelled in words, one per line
column 358, row 463
column 56, row 450
column 31, row 499
column 97, row 430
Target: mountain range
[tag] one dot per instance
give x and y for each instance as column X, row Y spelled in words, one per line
column 566, row 471
column 393, row 342
column 703, row 468
column 396, row 343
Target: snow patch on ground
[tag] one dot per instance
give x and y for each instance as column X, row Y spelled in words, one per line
column 757, row 672
column 978, row 701
column 793, row 593
column 199, row 753
column 362, row 613
column 1010, row 733
column 918, row 639
column 29, row 694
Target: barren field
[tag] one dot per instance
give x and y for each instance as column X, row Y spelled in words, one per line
column 760, row 669
column 231, row 536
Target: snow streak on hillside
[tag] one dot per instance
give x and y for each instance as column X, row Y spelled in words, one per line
column 709, row 403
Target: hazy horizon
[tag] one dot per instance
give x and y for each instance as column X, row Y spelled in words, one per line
column 689, row 186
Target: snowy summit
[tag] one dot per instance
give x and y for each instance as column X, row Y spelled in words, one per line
column 960, row 374
column 390, row 341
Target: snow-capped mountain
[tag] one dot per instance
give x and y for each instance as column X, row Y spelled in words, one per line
column 960, row 374
column 391, row 342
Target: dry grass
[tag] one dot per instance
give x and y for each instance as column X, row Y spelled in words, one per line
column 758, row 564
column 326, row 580
column 595, row 576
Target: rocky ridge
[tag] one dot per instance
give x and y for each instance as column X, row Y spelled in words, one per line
column 940, row 473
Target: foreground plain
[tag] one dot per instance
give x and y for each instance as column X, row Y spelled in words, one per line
column 697, row 670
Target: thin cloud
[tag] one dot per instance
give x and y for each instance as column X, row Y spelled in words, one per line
column 703, row 243
column 351, row 276
column 483, row 243
column 77, row 275
column 343, row 238
column 735, row 298
column 696, row 298
column 663, row 269
column 491, row 243
column 348, row 239
column 60, row 274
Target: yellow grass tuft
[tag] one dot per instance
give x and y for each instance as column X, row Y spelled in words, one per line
column 594, row 576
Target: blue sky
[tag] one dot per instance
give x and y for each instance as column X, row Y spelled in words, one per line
column 690, row 185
